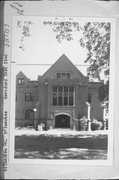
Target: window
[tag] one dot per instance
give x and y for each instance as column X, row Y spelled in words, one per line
column 70, row 100
column 63, row 95
column 21, row 81
column 89, row 98
column 65, row 88
column 65, row 99
column 26, row 96
column 54, row 99
column 29, row 114
column 60, row 88
column 63, row 75
column 32, row 97
column 68, row 75
column 60, row 100
column 58, row 75
column 71, row 89
column 29, row 97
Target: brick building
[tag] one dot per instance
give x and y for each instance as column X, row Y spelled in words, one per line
column 58, row 98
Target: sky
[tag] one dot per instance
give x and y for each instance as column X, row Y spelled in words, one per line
column 42, row 47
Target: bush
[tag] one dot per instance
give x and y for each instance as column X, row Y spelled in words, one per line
column 107, row 124
column 96, row 125
column 83, row 124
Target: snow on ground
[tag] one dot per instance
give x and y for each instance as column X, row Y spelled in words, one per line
column 57, row 132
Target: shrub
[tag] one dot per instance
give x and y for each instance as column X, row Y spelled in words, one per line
column 107, row 124
column 83, row 124
column 96, row 125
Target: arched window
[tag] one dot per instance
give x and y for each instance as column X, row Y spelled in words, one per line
column 29, row 114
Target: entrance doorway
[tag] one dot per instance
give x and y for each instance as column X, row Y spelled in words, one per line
column 62, row 121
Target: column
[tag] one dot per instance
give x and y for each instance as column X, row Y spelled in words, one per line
column 35, row 120
column 52, row 119
column 68, row 96
column 36, row 112
column 74, row 97
column 104, row 118
column 89, row 119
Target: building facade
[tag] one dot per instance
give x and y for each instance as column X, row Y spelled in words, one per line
column 58, row 98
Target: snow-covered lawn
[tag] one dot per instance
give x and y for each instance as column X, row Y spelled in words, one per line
column 60, row 144
column 58, row 132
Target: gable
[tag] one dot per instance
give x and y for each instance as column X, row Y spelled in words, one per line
column 21, row 78
column 63, row 65
column 21, row 75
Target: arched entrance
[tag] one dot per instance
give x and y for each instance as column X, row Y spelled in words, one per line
column 62, row 121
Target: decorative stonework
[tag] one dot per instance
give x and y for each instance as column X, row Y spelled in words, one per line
column 70, row 111
column 63, row 110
